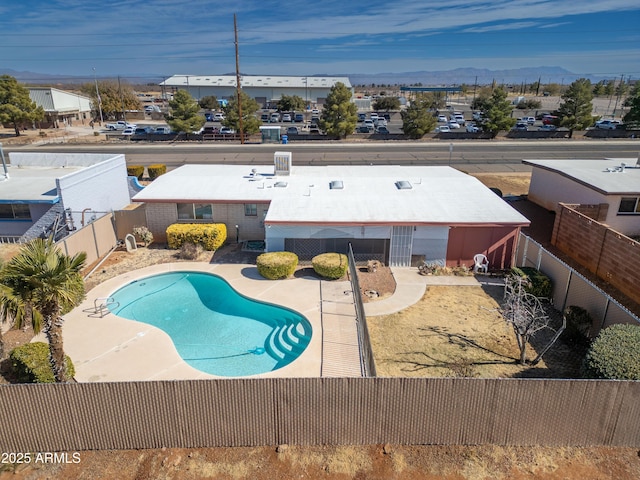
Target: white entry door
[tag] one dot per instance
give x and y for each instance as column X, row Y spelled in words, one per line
column 400, row 248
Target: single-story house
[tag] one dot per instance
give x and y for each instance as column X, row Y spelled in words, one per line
column 611, row 183
column 396, row 214
column 45, row 193
column 265, row 89
column 60, row 107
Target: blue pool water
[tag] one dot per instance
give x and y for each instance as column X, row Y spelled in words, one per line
column 214, row 328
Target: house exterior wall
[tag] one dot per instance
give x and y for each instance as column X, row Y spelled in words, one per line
column 159, row 217
column 276, row 234
column 96, row 190
column 548, row 189
column 19, row 227
column 497, row 243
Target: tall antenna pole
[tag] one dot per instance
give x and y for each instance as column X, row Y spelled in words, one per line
column 235, row 31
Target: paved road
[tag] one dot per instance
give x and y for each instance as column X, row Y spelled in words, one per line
column 470, row 156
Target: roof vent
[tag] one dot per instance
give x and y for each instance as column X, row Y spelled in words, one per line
column 282, row 162
column 280, row 184
column 403, row 185
column 336, row 185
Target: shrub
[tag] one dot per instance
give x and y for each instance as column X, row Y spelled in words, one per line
column 330, row 265
column 373, row 265
column 156, row 170
column 578, row 324
column 614, row 354
column 135, row 171
column 275, row 265
column 210, row 236
column 538, row 284
column 143, row 234
column 190, row 251
column 30, row 363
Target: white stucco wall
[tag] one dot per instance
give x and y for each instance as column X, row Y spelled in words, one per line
column 547, row 189
column 98, row 189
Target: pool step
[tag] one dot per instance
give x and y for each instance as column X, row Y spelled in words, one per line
column 285, row 342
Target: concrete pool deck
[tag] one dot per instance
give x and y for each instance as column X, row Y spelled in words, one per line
column 107, row 348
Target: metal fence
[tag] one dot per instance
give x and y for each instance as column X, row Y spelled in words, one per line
column 366, row 355
column 319, row 411
column 573, row 288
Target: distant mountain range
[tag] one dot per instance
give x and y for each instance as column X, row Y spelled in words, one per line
column 469, row 76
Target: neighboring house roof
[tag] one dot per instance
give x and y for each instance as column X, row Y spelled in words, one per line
column 607, row 176
column 272, row 81
column 369, row 194
column 32, row 176
column 54, row 100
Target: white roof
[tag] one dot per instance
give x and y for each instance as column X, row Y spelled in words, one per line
column 605, row 176
column 272, row 81
column 438, row 195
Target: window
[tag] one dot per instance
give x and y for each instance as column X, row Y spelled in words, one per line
column 629, row 205
column 195, row 211
column 250, row 210
column 17, row 211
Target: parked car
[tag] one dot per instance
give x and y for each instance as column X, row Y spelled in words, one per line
column 264, row 118
column 549, row 119
column 369, row 124
column 528, row 120
column 363, row 129
column 443, row 129
column 227, row 131
column 162, row 130
column 141, row 130
column 315, row 111
column 218, row 117
column 298, row 117
column 607, row 124
column 382, row 122
column 361, row 117
column 473, row 128
column 459, row 118
column 521, row 126
column 208, row 117
column 383, row 130
column 210, row 131
column 128, row 131
column 275, row 117
column 453, row 124
column 547, row 128
column 292, row 131
column 442, row 118
column 373, row 115
column 286, row 117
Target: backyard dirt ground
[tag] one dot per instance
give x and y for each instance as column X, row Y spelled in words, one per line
column 462, row 336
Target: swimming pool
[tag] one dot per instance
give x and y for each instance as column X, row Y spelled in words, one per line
column 213, row 327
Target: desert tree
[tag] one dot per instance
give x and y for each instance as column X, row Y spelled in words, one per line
column 417, row 120
column 16, row 106
column 291, row 103
column 575, row 110
column 527, row 316
column 250, row 122
column 497, row 111
column 339, row 114
column 632, row 117
column 115, row 97
column 184, row 114
column 39, row 285
column 387, row 104
column 209, row 102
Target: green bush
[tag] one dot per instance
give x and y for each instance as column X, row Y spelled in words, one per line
column 30, row 363
column 156, row 170
column 275, row 265
column 538, row 285
column 210, row 235
column 614, row 354
column 330, row 265
column 578, row 324
column 135, row 171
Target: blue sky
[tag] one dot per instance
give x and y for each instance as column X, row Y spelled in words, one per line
column 166, row 37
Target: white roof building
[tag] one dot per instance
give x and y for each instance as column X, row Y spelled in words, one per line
column 611, row 181
column 60, row 105
column 263, row 88
column 421, row 206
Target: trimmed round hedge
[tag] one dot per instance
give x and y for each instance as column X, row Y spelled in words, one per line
column 614, row 354
column 330, row 265
column 276, row 265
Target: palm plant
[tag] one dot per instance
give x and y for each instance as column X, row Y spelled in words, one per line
column 39, row 285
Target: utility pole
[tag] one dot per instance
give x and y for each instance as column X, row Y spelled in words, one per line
column 124, row 115
column 95, row 79
column 235, row 31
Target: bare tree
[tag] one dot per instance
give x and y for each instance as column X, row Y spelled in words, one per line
column 526, row 314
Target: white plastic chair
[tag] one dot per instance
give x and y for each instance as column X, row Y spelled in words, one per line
column 481, row 263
